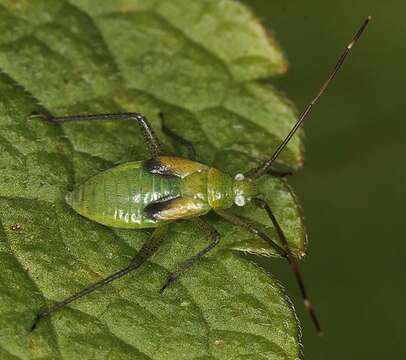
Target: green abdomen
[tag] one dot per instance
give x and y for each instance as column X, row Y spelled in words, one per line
column 117, row 197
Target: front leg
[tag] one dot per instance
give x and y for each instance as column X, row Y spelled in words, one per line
column 279, row 173
column 283, row 250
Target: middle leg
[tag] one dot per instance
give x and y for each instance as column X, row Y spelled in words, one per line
column 215, row 239
column 176, row 137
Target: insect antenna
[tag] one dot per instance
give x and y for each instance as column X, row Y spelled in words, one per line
column 264, row 168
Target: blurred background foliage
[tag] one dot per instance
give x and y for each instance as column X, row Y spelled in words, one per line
column 352, row 186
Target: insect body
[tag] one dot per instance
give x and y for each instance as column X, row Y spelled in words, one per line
column 155, row 192
column 150, row 193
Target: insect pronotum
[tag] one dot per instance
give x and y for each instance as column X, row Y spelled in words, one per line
column 167, row 188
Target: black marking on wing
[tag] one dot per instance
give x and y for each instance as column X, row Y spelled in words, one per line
column 154, row 166
column 153, row 209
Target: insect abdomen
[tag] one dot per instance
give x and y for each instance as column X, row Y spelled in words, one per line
column 117, row 197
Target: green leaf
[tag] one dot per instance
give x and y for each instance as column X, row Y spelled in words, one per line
column 201, row 63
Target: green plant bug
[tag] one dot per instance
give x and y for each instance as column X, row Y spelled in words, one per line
column 162, row 189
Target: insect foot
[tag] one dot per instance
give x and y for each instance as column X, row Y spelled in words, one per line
column 171, row 278
column 43, row 116
column 37, row 319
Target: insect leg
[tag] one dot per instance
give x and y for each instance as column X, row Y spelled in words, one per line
column 173, row 135
column 215, row 237
column 149, row 134
column 279, row 173
column 148, row 249
column 263, row 205
column 282, row 251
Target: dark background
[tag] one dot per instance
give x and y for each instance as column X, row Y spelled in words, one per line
column 352, row 184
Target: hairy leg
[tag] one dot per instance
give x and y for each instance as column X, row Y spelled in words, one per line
column 176, row 137
column 281, row 250
column 148, row 249
column 149, row 134
column 215, row 239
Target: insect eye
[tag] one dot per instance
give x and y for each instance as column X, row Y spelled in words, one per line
column 239, row 200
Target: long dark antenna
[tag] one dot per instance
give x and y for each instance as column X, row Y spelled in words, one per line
column 303, row 116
